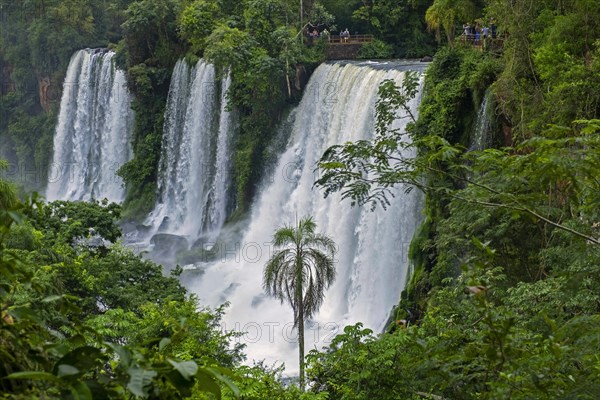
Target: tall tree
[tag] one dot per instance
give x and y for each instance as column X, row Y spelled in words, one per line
column 299, row 272
column 445, row 13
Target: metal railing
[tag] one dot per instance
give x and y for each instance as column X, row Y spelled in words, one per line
column 494, row 44
column 337, row 39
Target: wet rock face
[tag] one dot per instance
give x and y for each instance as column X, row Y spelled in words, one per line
column 302, row 77
column 167, row 241
column 166, row 246
column 343, row 52
column 47, row 93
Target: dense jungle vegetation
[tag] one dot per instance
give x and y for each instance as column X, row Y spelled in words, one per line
column 257, row 41
column 504, row 298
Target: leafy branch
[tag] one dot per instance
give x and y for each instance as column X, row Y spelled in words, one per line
column 555, row 172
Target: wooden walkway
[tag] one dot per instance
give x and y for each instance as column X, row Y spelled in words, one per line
column 352, row 39
column 494, row 45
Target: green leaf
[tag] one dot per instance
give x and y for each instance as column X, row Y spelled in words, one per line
column 218, row 373
column 84, row 358
column 51, row 299
column 81, row 391
column 163, row 343
column 33, row 375
column 140, row 381
column 77, row 340
column 187, row 369
column 206, row 383
column 67, row 370
column 15, row 216
column 183, row 385
column 122, row 352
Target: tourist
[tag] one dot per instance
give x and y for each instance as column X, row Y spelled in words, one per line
column 486, row 32
column 466, row 29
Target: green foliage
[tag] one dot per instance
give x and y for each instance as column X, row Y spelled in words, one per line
column 260, row 382
column 320, row 15
column 343, row 11
column 197, row 22
column 375, row 49
column 456, row 83
column 67, row 222
column 552, row 52
column 230, row 47
column 446, row 14
column 140, row 281
column 400, row 24
column 151, row 31
column 76, row 323
column 476, row 341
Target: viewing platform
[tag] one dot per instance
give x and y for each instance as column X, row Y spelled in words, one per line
column 352, row 39
column 346, row 47
column 491, row 44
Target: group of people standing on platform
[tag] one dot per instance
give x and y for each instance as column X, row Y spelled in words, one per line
column 477, row 34
column 345, row 35
column 312, row 32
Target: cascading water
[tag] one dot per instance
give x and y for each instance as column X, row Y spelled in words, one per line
column 219, row 192
column 482, row 137
column 372, row 262
column 194, row 165
column 93, row 134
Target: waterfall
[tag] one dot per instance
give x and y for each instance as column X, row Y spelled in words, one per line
column 194, row 164
column 93, row 134
column 372, row 262
column 482, row 137
column 221, row 184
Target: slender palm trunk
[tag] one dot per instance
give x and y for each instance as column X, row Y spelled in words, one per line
column 300, row 321
column 300, row 302
column 301, row 342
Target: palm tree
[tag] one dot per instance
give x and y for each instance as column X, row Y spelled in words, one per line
column 299, row 272
column 445, row 13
